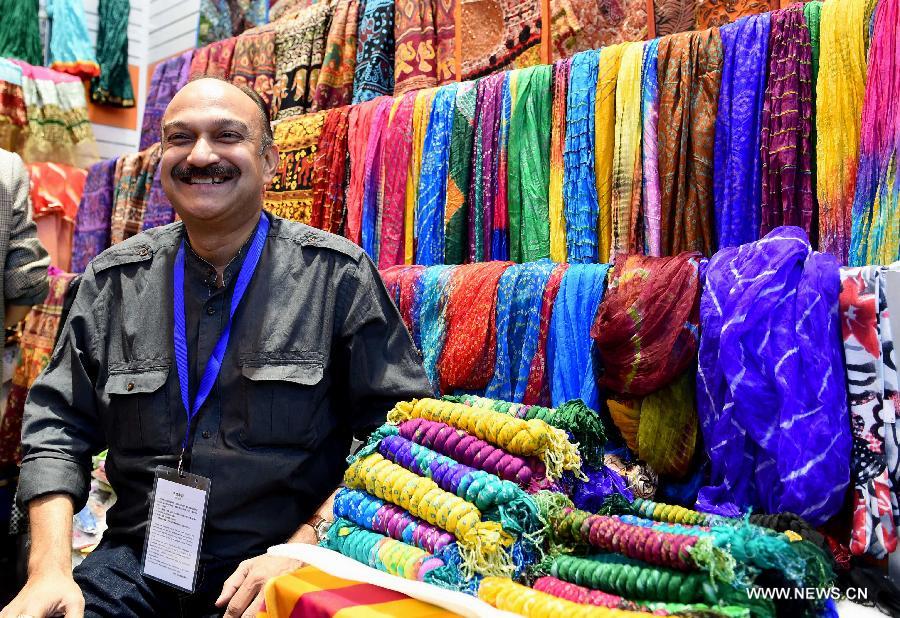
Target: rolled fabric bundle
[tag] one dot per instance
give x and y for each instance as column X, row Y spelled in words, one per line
column 506, row 595
column 668, row 427
column 514, row 435
column 580, row 594
column 671, row 513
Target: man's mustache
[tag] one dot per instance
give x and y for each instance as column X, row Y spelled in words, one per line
column 216, row 170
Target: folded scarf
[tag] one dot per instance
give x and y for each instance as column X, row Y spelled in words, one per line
column 689, row 68
column 738, row 173
column 421, row 118
column 627, row 227
column 485, row 165
column 92, row 223
column 500, row 217
column 113, row 85
column 537, row 388
column 70, row 43
column 650, row 190
column 605, row 143
column 436, row 293
column 456, row 216
column 374, row 73
column 330, row 172
column 396, row 163
column 374, row 169
column 358, row 140
column 557, row 146
column 335, row 84
column 770, row 390
column 645, row 332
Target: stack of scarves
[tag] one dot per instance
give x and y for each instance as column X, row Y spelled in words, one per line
column 290, row 194
column 770, row 386
column 113, row 85
column 335, row 84
column 168, row 78
column 374, row 73
column 13, row 117
column 424, row 44
column 70, row 44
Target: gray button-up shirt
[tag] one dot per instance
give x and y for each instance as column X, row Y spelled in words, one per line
column 317, row 353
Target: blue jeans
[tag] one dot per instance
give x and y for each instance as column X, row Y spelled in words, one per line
column 113, row 586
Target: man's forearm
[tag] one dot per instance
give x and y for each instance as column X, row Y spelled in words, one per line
column 50, row 518
column 306, row 533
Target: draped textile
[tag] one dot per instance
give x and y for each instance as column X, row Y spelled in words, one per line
column 812, row 12
column 163, row 87
column 770, row 389
column 187, row 58
column 605, row 143
column 433, row 178
column 470, row 348
column 330, row 172
column 579, row 186
column 500, row 217
column 299, row 53
column 20, row 35
column 374, row 170
column 374, row 73
column 159, row 210
column 436, row 293
column 462, row 160
column 424, row 35
column 220, row 19
column 571, row 364
column 290, row 193
column 674, row 16
column 358, row 139
column 214, row 60
column 13, row 116
column 627, row 227
column 335, row 84
column 134, row 177
column 711, row 13
column 397, row 153
column 421, row 118
column 786, row 147
column 875, row 232
column 650, row 189
column 485, row 162
column 253, row 65
column 55, row 193
column 113, row 85
column 873, row 396
column 737, row 177
column 92, row 223
column 556, row 211
column 409, row 296
column 689, row 69
column 537, row 387
column 600, row 25
column 70, row 43
column 842, row 83
column 529, row 165
column 645, row 332
column 495, row 33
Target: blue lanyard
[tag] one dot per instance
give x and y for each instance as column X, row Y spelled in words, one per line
column 214, row 364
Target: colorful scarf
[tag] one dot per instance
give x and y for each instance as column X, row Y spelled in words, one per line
column 55, row 192
column 411, row 285
column 421, row 118
column 495, row 34
column 358, row 140
column 214, row 60
column 92, row 223
column 253, row 65
column 841, row 85
column 627, row 234
column 711, row 14
column 20, row 35
column 875, row 236
column 579, row 184
column 537, row 389
column 13, row 115
column 374, row 170
column 113, row 85
column 436, row 293
column 485, row 162
column 874, row 400
column 770, row 389
column 650, row 189
column 424, row 31
column 500, row 216
column 529, row 165
column 690, row 67
column 456, row 215
column 785, row 147
column 158, row 210
column 397, row 153
column 163, row 87
column 290, row 194
column 737, row 173
column 569, row 342
column 299, row 53
column 220, row 19
column 335, row 85
column 557, row 146
column 645, row 332
column 330, row 172
column 374, row 73
column 134, row 177
column 433, row 178
column 601, row 26
column 605, row 143
column 70, row 44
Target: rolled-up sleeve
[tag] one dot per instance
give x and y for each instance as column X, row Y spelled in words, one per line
column 25, row 271
column 61, row 428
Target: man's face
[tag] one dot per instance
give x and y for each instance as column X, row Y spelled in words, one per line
column 212, row 169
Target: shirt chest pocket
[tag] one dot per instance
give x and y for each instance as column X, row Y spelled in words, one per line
column 284, row 400
column 139, row 409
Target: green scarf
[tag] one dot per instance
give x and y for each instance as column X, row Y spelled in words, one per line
column 20, row 35
column 113, row 87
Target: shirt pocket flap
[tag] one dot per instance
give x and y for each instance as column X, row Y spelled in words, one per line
column 136, row 382
column 304, row 373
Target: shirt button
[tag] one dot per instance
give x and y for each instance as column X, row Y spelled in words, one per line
column 129, row 386
column 206, row 435
column 143, row 251
column 210, row 311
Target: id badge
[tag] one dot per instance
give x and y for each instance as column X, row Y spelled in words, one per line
column 175, row 528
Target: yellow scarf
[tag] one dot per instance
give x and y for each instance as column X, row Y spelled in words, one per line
column 604, row 142
column 627, row 159
column 421, row 115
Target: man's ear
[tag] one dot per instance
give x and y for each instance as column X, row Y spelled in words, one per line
column 270, row 163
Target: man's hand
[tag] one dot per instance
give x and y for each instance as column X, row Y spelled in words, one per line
column 243, row 591
column 47, row 595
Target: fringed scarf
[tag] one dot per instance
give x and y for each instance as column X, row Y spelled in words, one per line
column 500, row 215
column 605, row 143
column 396, row 163
column 456, row 216
column 579, row 186
column 529, row 165
column 374, row 169
column 330, row 172
column 113, row 86
column 840, row 87
column 537, row 389
column 875, row 237
column 645, row 332
column 470, row 349
column 650, row 190
column 689, row 68
column 436, row 293
column 374, row 72
column 737, row 173
column 770, row 389
column 433, row 178
column 569, row 341
column 361, row 117
column 335, row 84
column 786, row 147
column 421, row 117
column 485, row 167
column 627, row 227
column 557, row 146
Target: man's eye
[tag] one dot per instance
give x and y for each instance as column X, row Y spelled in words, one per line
column 230, row 136
column 177, row 138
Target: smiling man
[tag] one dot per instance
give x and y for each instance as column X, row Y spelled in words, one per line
column 229, row 357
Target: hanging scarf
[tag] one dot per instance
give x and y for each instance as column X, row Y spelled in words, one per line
column 436, row 293
column 786, row 124
column 253, row 65
column 456, row 216
column 537, row 389
column 627, row 235
column 335, row 84
column 424, row 31
column 569, row 341
column 841, row 86
column 20, row 35
column 70, row 43
column 485, row 162
column 529, row 165
column 134, row 177
column 605, row 143
column 467, row 359
column 397, row 152
column 875, row 237
column 872, row 386
column 579, row 187
column 290, row 194
column 113, row 86
column 214, row 60
column 163, row 87
column 374, row 73
column 299, row 54
column 433, row 178
column 497, row 35
column 13, row 114
column 812, row 13
column 645, row 333
column 186, row 59
column 738, row 176
column 650, row 190
column 159, row 210
column 358, row 140
column 373, row 178
column 771, row 394
column 690, row 66
column 500, row 216
column 557, row 145
column 224, row 18
column 92, row 223
column 330, row 172
column 421, row 118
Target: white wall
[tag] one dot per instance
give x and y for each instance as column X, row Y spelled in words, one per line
column 172, row 29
